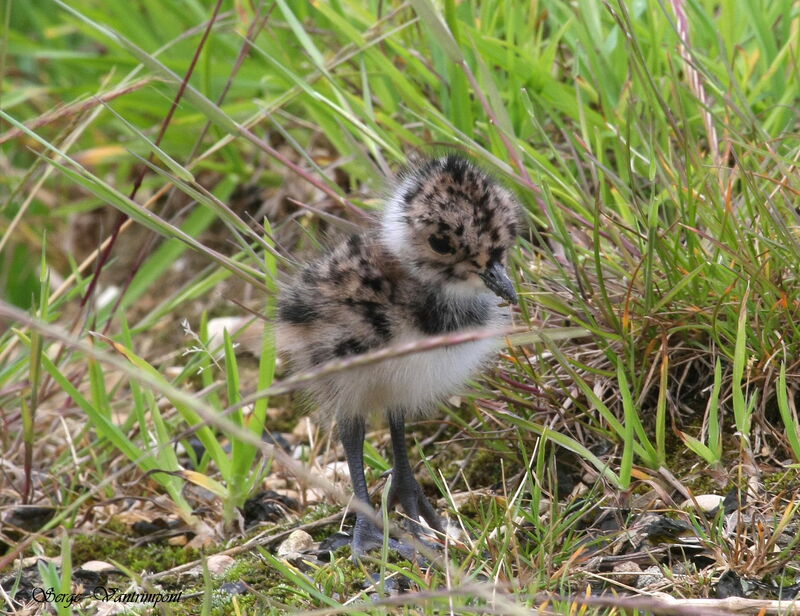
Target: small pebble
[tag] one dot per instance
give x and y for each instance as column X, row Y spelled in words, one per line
column 705, row 502
column 296, row 543
column 627, row 572
column 652, row 576
column 98, row 566
column 219, row 563
column 234, row 588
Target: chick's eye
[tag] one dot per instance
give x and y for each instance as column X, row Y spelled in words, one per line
column 441, row 244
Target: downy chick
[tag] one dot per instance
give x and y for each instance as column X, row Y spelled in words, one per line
column 436, row 265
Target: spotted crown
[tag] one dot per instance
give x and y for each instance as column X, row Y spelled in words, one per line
column 449, row 222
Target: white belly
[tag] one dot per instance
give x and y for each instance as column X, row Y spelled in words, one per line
column 414, row 383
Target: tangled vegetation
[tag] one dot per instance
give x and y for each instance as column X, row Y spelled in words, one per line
column 165, row 162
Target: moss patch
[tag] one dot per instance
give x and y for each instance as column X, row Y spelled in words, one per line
column 151, row 557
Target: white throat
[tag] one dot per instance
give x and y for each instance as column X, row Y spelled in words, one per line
column 467, row 289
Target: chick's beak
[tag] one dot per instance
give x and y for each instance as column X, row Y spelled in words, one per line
column 496, row 280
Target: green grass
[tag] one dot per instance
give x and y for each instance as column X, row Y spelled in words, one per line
column 653, row 145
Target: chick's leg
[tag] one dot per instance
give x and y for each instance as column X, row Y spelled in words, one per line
column 405, row 489
column 366, row 534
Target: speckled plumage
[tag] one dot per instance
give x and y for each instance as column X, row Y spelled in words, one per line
column 388, row 286
column 436, row 265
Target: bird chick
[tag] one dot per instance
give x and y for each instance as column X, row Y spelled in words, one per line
column 435, row 266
